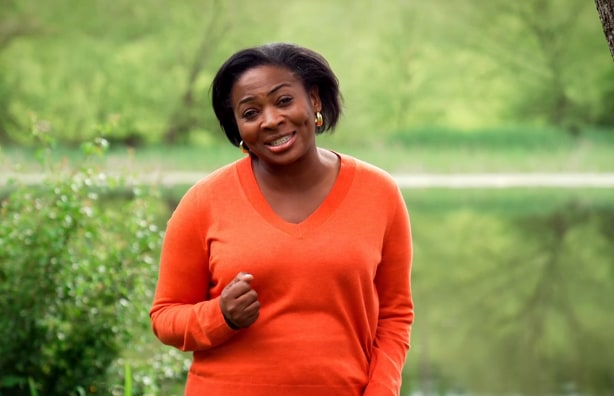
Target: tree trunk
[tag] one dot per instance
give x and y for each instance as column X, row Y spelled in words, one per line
column 606, row 14
column 181, row 121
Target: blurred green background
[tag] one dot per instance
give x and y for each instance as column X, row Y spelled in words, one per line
column 512, row 286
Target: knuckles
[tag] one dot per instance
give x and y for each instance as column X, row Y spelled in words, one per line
column 239, row 303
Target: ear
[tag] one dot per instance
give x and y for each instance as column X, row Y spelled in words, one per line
column 314, row 96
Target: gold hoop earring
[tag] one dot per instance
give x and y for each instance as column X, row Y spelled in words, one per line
column 243, row 147
column 319, row 119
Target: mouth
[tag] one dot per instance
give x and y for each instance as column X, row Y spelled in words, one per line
column 281, row 141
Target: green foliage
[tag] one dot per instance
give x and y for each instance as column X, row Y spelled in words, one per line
column 604, row 115
column 77, row 254
column 503, row 139
column 127, row 380
column 32, row 385
column 147, row 67
column 541, row 58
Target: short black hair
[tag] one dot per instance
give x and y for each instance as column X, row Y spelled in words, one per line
column 309, row 66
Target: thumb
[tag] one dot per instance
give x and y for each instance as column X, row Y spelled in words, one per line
column 241, row 276
column 244, row 276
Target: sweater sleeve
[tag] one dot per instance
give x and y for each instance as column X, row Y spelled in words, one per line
column 182, row 314
column 396, row 310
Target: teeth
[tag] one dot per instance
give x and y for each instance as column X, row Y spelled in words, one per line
column 281, row 141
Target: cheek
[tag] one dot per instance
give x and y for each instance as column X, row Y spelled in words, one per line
column 247, row 132
column 310, row 120
column 304, row 118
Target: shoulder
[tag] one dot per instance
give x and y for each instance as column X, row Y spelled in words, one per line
column 208, row 195
column 219, row 178
column 214, row 184
column 373, row 189
column 369, row 175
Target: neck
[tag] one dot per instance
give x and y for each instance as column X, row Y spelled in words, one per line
column 298, row 176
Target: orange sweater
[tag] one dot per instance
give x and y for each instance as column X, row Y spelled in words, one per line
column 336, row 306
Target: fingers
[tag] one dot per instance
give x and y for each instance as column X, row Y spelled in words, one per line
column 239, row 285
column 249, row 315
column 239, row 302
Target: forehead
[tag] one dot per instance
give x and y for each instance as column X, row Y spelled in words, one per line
column 262, row 80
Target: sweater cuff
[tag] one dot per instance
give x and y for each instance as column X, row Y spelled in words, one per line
column 212, row 325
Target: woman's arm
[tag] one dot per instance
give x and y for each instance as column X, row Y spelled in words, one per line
column 396, row 313
column 182, row 314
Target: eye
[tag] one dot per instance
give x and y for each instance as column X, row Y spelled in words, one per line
column 249, row 114
column 284, row 100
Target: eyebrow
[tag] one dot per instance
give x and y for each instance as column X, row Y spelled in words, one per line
column 271, row 92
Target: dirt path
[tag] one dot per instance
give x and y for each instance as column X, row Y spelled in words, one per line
column 474, row 180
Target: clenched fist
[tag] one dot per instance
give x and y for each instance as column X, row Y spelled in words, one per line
column 239, row 302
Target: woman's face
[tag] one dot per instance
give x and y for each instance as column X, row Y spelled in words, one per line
column 274, row 114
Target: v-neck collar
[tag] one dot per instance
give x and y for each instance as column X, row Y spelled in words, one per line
column 335, row 196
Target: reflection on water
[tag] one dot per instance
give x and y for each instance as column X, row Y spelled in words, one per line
column 512, row 300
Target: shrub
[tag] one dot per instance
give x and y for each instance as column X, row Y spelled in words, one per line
column 78, row 257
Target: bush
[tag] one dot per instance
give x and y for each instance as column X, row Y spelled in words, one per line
column 78, row 256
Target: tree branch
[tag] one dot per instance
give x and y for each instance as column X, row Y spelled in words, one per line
column 605, row 8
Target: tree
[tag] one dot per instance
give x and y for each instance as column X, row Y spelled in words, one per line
column 398, row 52
column 13, row 26
column 545, row 49
column 606, row 14
column 183, row 119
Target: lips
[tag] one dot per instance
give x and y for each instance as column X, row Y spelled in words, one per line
column 281, row 140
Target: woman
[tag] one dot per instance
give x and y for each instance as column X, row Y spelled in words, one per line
column 286, row 272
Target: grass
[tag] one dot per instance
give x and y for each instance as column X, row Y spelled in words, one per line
column 433, row 150
column 505, row 202
column 508, row 201
column 420, row 151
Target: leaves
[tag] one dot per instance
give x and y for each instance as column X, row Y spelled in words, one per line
column 466, row 64
column 76, row 265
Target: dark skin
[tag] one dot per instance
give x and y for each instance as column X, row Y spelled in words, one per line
column 275, row 115
column 239, row 302
column 295, row 195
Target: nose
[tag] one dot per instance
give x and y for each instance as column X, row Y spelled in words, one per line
column 271, row 117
